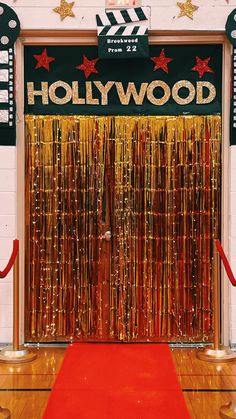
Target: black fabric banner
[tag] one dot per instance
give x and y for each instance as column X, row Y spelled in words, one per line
column 187, row 80
column 7, row 99
column 9, row 31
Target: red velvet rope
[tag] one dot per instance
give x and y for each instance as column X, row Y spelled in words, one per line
column 225, row 262
column 11, row 260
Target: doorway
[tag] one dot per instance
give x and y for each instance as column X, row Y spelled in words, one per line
column 121, row 216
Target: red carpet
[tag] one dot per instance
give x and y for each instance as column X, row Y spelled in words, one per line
column 117, row 381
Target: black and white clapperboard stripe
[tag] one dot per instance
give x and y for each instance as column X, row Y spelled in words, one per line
column 123, row 30
column 231, row 34
column 119, row 24
column 119, row 17
column 9, row 31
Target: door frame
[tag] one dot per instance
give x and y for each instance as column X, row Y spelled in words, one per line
column 81, row 37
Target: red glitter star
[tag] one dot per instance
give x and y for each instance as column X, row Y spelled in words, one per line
column 88, row 66
column 43, row 60
column 202, row 66
column 161, row 62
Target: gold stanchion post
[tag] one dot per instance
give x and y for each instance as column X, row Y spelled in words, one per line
column 218, row 353
column 228, row 411
column 16, row 354
column 5, row 413
column 16, row 289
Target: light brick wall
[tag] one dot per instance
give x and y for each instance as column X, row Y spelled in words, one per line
column 7, row 234
column 38, row 14
column 232, row 238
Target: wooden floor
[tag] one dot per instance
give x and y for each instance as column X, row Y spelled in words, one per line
column 25, row 389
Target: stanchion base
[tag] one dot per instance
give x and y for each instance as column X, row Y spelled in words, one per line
column 8, row 355
column 223, row 354
column 228, row 411
column 5, row 413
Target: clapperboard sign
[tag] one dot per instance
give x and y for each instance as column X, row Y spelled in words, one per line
column 231, row 34
column 118, row 38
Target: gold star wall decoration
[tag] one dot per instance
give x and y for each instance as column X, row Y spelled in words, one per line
column 65, row 9
column 187, row 9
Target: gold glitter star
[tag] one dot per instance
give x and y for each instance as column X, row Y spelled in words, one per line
column 65, row 9
column 187, row 9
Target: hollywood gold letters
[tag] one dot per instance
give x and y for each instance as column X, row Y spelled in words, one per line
column 157, row 92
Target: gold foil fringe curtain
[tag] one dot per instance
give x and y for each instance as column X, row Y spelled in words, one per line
column 155, row 183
